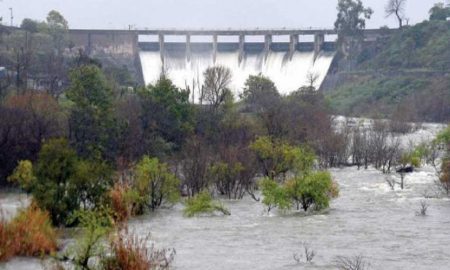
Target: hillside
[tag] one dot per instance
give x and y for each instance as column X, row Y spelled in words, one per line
column 408, row 75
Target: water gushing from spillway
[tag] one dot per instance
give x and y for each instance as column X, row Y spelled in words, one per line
column 288, row 73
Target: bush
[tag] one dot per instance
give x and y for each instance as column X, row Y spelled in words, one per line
column 6, row 242
column 94, row 227
column 29, row 234
column 61, row 183
column 155, row 184
column 445, row 176
column 203, row 203
column 274, row 195
column 131, row 252
column 118, row 203
column 313, row 189
column 33, row 232
column 124, row 202
column 278, row 157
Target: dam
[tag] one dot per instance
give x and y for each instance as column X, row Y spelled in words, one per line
column 287, row 57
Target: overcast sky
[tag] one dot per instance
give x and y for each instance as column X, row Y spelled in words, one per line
column 118, row 14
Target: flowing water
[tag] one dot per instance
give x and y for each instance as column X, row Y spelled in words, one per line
column 367, row 219
column 287, row 74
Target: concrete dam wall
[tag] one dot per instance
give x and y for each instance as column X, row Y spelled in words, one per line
column 288, row 57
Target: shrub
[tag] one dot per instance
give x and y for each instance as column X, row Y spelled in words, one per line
column 32, row 231
column 29, row 234
column 118, row 204
column 94, row 227
column 274, row 195
column 123, row 202
column 131, row 252
column 444, row 178
column 313, row 189
column 61, row 183
column 6, row 250
column 203, row 203
column 277, row 157
column 155, row 184
column 23, row 175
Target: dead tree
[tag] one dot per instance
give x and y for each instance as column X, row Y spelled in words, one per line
column 397, row 8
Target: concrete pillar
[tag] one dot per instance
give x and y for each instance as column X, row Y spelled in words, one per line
column 293, row 41
column 161, row 47
column 319, row 40
column 188, row 47
column 241, row 47
column 89, row 45
column 214, row 48
column 267, row 43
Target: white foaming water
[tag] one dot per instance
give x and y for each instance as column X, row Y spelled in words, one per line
column 287, row 74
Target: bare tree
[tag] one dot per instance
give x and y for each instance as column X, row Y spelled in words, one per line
column 309, row 253
column 312, row 79
column 216, row 85
column 351, row 263
column 397, row 8
column 423, row 209
column 390, row 181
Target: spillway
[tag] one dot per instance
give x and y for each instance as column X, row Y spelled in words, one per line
column 288, row 72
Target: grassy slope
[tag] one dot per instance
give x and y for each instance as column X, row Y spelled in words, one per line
column 409, row 70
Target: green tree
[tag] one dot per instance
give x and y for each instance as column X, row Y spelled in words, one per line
column 93, row 128
column 30, row 25
column 53, row 189
column 61, row 183
column 23, row 175
column 312, row 189
column 351, row 18
column 278, row 157
column 274, row 195
column 93, row 179
column 316, row 189
column 260, row 93
column 261, row 97
column 166, row 117
column 226, row 177
column 155, row 184
column 350, row 23
column 58, row 28
column 439, row 12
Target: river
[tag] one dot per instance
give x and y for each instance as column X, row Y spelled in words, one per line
column 368, row 219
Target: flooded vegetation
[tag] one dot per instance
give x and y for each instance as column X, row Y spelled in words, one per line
column 119, row 153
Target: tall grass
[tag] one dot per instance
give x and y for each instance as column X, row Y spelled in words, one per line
column 30, row 233
column 119, row 204
column 129, row 251
column 6, row 251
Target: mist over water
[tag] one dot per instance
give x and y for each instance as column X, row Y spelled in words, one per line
column 287, row 74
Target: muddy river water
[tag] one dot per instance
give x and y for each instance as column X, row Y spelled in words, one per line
column 367, row 219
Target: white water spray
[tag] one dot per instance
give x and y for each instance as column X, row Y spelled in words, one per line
column 287, row 74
